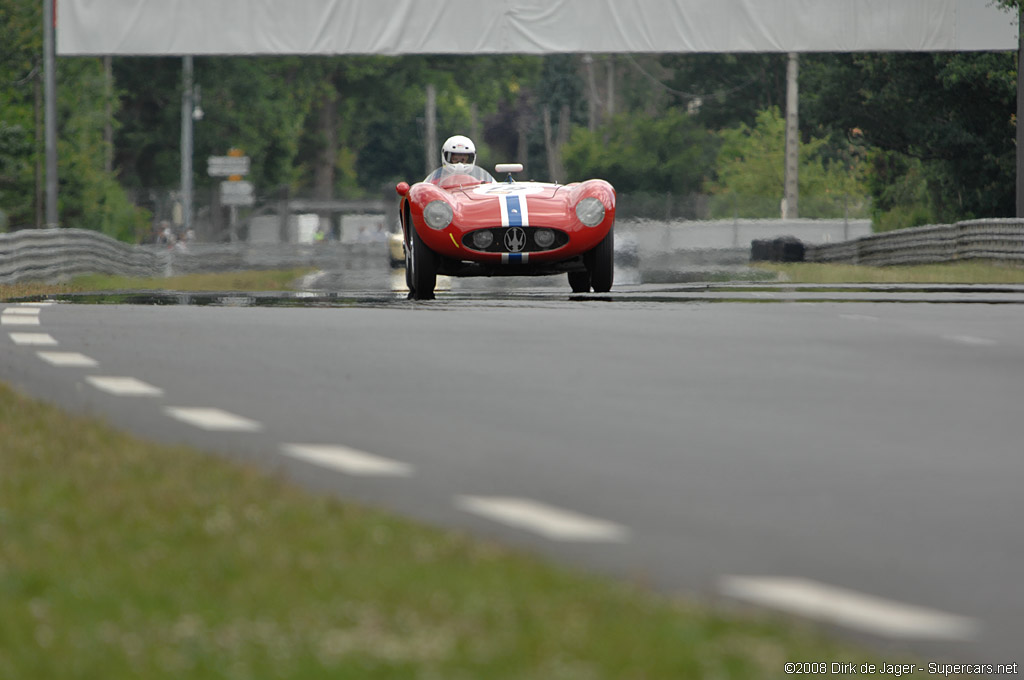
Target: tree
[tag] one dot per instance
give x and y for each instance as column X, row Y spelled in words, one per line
column 670, row 153
column 749, row 172
column 20, row 62
column 952, row 112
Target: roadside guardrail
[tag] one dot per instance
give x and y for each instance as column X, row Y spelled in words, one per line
column 991, row 239
column 57, row 255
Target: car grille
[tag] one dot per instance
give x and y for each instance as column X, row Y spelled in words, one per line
column 522, row 242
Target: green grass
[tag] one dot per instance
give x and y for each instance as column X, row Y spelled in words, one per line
column 256, row 280
column 124, row 559
column 975, row 271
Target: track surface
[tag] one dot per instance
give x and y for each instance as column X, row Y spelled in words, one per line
column 657, row 433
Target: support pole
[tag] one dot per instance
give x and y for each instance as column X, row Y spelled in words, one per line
column 187, row 105
column 1020, row 114
column 792, row 194
column 50, row 97
column 431, row 153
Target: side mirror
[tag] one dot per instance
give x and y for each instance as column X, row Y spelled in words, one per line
column 402, row 188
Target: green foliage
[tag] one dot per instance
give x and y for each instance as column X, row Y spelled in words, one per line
column 901, row 190
column 90, row 197
column 639, row 153
column 750, row 173
column 725, row 90
column 954, row 113
column 20, row 52
column 15, row 152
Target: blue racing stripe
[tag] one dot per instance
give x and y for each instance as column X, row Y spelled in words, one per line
column 515, row 212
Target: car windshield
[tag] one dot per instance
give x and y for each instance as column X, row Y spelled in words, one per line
column 459, row 174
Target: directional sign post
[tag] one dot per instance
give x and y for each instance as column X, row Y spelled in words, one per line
column 226, row 166
column 237, row 193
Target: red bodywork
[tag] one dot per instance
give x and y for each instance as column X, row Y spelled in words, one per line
column 531, row 205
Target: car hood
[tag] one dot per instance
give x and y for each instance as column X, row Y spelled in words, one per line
column 493, row 192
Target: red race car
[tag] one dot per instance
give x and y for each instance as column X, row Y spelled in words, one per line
column 463, row 222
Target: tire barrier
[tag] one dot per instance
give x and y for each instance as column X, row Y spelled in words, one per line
column 782, row 249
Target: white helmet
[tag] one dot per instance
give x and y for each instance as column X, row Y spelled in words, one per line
column 458, row 145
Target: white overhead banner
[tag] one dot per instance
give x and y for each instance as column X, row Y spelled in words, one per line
column 208, row 27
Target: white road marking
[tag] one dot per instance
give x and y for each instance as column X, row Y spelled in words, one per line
column 22, row 311
column 849, row 608
column 124, row 387
column 68, row 359
column 858, row 317
column 46, row 303
column 969, row 340
column 213, row 419
column 551, row 522
column 349, row 461
column 33, row 339
column 18, row 320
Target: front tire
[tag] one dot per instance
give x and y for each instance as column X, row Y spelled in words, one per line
column 421, row 268
column 579, row 281
column 601, row 264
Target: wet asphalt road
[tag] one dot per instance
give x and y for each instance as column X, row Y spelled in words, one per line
column 830, row 438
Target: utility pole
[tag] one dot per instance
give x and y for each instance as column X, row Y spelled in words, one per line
column 187, row 106
column 108, row 114
column 50, row 97
column 792, row 194
column 430, row 152
column 1020, row 113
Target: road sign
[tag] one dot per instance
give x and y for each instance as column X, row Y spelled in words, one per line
column 225, row 166
column 237, row 193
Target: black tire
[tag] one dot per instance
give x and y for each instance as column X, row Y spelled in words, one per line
column 601, row 264
column 421, row 271
column 408, row 268
column 579, row 281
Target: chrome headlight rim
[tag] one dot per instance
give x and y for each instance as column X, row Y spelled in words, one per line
column 482, row 239
column 544, row 237
column 590, row 211
column 438, row 214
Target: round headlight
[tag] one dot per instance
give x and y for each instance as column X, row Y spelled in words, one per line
column 544, row 238
column 590, row 211
column 438, row 214
column 483, row 239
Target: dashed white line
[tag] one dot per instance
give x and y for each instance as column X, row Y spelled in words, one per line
column 67, row 359
column 22, row 311
column 858, row 317
column 849, row 608
column 546, row 520
column 213, row 419
column 969, row 340
column 349, row 461
column 45, row 303
column 40, row 339
column 124, row 387
column 18, row 320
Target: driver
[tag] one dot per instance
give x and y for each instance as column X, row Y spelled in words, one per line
column 458, row 155
column 458, row 149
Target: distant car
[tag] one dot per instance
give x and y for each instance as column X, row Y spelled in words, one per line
column 396, row 248
column 466, row 223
